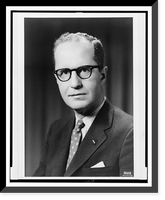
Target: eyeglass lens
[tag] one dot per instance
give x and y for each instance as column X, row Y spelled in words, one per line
column 83, row 72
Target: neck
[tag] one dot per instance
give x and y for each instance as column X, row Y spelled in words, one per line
column 79, row 115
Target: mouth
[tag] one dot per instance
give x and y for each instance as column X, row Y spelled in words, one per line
column 77, row 95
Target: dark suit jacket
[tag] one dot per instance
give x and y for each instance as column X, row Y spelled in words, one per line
column 112, row 131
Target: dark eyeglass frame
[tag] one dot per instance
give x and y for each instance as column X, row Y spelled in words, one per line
column 77, row 70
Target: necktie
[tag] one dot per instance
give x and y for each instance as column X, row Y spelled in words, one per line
column 75, row 140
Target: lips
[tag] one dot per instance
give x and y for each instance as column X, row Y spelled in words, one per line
column 78, row 94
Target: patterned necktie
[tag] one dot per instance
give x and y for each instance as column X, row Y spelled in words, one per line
column 75, row 140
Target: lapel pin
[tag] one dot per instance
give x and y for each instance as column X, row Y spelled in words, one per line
column 93, row 141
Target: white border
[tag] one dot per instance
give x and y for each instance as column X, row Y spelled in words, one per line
column 17, row 171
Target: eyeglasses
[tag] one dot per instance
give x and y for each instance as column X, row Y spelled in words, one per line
column 84, row 72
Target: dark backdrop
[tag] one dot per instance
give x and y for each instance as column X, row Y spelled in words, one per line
column 43, row 103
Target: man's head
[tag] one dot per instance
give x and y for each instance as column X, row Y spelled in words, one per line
column 80, row 71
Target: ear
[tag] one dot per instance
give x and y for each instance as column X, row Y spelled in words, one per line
column 104, row 74
column 56, row 79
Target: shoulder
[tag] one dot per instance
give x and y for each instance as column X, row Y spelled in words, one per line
column 117, row 117
column 58, row 129
column 123, row 122
column 60, row 123
column 122, row 116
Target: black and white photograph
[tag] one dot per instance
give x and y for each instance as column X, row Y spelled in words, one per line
column 105, row 147
column 80, row 91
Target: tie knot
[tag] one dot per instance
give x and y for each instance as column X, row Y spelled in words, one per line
column 80, row 124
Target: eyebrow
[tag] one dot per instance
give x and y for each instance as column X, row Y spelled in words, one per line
column 78, row 67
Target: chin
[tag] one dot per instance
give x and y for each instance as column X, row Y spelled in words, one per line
column 78, row 106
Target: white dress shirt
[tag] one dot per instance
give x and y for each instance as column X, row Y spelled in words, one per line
column 88, row 120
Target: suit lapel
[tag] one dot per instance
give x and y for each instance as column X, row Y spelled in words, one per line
column 86, row 149
column 93, row 139
column 60, row 159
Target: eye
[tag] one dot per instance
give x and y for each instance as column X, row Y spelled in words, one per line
column 65, row 72
column 62, row 72
column 84, row 70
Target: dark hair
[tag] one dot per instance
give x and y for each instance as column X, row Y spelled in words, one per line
column 97, row 45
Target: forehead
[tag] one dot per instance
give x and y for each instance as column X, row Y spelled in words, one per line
column 74, row 53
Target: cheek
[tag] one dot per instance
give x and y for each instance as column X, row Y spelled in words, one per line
column 94, row 88
column 63, row 89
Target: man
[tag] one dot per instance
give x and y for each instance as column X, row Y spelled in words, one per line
column 98, row 139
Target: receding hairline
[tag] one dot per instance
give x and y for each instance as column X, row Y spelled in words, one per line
column 75, row 37
column 96, row 44
column 84, row 43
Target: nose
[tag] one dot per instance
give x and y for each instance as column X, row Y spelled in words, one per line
column 75, row 81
